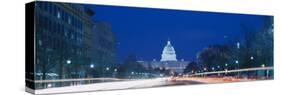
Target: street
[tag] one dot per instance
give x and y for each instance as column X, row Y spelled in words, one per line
column 140, row 83
column 106, row 86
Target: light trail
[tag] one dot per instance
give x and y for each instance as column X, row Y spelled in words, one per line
column 232, row 71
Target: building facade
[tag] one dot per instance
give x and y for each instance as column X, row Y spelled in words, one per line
column 63, row 40
column 103, row 49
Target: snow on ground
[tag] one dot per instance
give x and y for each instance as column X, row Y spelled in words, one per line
column 105, row 86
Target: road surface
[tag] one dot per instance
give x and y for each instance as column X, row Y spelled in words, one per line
column 141, row 83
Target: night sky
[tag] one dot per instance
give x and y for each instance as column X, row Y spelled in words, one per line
column 145, row 31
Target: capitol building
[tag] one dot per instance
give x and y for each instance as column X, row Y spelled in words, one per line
column 168, row 60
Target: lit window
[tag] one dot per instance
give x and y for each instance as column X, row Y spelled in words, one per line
column 58, row 15
column 69, row 20
column 40, row 42
column 72, row 36
column 65, row 33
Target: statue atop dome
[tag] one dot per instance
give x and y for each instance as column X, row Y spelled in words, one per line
column 168, row 53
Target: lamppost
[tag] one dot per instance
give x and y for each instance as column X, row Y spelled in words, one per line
column 107, row 69
column 218, row 69
column 237, row 62
column 68, row 62
column 225, row 69
column 132, row 74
column 115, row 72
column 252, row 61
column 92, row 66
column 64, row 71
column 205, row 69
column 263, row 65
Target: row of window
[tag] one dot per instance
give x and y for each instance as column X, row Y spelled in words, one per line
column 56, row 46
column 59, row 13
column 57, row 29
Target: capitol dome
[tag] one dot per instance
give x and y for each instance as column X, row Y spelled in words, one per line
column 168, row 53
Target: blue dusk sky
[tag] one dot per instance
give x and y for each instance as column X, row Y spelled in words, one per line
column 145, row 31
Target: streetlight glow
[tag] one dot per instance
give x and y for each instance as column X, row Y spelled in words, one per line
column 92, row 66
column 252, row 58
column 68, row 61
column 236, row 61
column 262, row 65
column 205, row 69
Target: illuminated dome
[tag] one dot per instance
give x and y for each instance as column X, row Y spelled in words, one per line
column 169, row 53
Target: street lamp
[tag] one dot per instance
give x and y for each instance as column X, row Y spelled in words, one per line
column 236, row 61
column 106, row 72
column 91, row 69
column 213, row 68
column 263, row 65
column 68, row 61
column 115, row 72
column 92, row 66
column 252, row 58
